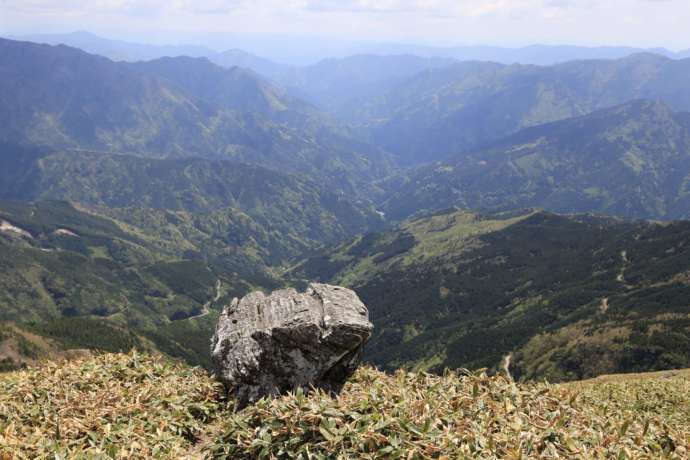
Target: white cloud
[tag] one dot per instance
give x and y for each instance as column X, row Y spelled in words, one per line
column 458, row 8
column 508, row 22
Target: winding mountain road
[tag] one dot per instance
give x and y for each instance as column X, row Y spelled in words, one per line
column 621, row 276
column 206, row 308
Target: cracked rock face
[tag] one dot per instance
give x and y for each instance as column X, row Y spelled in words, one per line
column 268, row 345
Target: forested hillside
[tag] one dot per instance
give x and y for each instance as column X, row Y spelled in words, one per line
column 90, row 281
column 568, row 296
column 632, row 161
column 334, row 230
column 298, row 208
column 140, row 197
column 444, row 112
column 63, row 98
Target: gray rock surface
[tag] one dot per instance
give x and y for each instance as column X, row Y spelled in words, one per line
column 268, row 345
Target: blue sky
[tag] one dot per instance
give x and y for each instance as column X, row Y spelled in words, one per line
column 644, row 23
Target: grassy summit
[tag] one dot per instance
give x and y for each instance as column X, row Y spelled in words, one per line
column 138, row 406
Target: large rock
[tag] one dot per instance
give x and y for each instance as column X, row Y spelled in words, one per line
column 267, row 345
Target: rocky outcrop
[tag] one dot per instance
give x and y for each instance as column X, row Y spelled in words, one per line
column 268, row 345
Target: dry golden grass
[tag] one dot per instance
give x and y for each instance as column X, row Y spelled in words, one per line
column 134, row 406
column 114, row 406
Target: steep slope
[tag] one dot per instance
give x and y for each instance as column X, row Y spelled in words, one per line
column 449, row 111
column 92, row 281
column 233, row 88
column 340, row 86
column 21, row 348
column 63, row 98
column 239, row 58
column 327, row 146
column 457, row 289
column 631, row 161
column 300, row 211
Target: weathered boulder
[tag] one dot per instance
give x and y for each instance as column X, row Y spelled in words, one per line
column 267, row 345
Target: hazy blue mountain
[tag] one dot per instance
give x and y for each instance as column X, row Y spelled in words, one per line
column 341, row 85
column 64, row 98
column 303, row 51
column 297, row 52
column 540, row 54
column 236, row 89
column 632, row 160
column 239, row 58
column 118, row 50
column 241, row 90
column 442, row 112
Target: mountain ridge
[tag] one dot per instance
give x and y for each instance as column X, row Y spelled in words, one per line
column 630, row 160
column 460, row 289
column 121, row 108
column 538, row 54
column 445, row 112
column 292, row 204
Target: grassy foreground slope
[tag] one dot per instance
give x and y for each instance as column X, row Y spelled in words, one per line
column 138, row 406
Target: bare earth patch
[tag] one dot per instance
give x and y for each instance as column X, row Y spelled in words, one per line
column 7, row 227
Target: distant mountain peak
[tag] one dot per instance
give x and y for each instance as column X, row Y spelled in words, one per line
column 646, row 56
column 117, row 50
